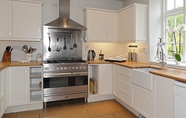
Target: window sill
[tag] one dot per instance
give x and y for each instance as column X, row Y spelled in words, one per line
column 170, row 64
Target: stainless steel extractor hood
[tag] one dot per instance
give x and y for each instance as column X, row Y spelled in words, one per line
column 64, row 21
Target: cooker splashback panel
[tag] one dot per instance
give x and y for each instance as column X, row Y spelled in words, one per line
column 50, row 46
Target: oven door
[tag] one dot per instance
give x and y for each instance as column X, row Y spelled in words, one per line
column 56, row 82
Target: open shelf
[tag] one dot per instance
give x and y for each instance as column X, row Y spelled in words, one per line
column 36, row 81
column 35, row 75
column 36, row 98
column 35, row 87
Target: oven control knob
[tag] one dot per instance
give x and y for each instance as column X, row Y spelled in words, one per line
column 84, row 67
column 61, row 68
column 57, row 68
column 80, row 67
column 65, row 68
column 76, row 67
column 72, row 67
column 69, row 67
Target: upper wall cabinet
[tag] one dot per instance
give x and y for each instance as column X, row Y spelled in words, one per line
column 132, row 23
column 20, row 20
column 101, row 25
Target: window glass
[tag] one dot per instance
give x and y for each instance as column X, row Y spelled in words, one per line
column 170, row 4
column 179, row 3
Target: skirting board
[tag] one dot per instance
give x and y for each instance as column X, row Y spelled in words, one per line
column 95, row 98
column 35, row 106
column 127, row 106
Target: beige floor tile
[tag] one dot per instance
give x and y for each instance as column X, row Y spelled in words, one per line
column 105, row 116
column 101, row 102
column 71, row 113
column 10, row 115
column 117, row 106
column 124, row 114
column 98, row 110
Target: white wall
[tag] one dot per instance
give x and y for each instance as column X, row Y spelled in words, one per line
column 128, row 2
column 50, row 12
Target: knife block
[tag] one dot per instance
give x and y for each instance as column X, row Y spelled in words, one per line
column 6, row 57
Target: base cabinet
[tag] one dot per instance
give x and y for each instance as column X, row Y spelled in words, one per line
column 101, row 74
column 122, row 83
column 142, row 101
column 164, row 95
column 18, row 86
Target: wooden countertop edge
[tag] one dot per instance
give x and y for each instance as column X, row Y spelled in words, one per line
column 171, row 76
column 4, row 65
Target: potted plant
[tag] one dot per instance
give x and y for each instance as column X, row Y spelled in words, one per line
column 176, row 52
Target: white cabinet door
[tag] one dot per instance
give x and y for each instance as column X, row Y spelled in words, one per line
column 105, row 79
column 5, row 19
column 121, row 26
column 96, row 25
column 132, row 23
column 142, row 101
column 101, row 25
column 129, row 28
column 112, row 27
column 115, row 80
column 26, row 20
column 6, row 88
column 164, row 94
column 18, row 86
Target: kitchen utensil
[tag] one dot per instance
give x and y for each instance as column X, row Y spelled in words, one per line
column 64, row 47
column 58, row 48
column 25, row 47
column 49, row 48
column 71, row 47
column 75, row 45
column 91, row 55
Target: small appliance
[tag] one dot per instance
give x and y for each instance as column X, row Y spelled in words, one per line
column 91, row 55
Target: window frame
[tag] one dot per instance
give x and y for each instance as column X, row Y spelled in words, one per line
column 167, row 13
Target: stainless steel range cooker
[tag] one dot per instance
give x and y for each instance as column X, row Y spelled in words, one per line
column 65, row 79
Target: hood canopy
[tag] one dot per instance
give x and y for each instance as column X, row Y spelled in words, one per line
column 64, row 22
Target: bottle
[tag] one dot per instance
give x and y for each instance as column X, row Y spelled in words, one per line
column 134, row 56
column 130, row 56
column 101, row 56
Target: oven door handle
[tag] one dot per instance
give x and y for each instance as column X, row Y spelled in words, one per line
column 80, row 73
column 56, row 74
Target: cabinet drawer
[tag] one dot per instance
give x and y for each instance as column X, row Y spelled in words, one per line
column 124, row 97
column 83, row 88
column 124, row 71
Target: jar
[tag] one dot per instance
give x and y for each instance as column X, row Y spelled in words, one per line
column 39, row 57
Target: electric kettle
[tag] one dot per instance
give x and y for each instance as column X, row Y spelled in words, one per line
column 91, row 55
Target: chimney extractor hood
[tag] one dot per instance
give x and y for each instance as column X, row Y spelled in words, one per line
column 64, row 22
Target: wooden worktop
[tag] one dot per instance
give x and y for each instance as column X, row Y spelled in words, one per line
column 175, row 74
column 16, row 63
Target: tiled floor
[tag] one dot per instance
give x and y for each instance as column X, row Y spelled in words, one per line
column 77, row 109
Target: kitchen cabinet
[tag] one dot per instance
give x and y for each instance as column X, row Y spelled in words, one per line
column 142, row 101
column 102, row 75
column 132, row 23
column 122, row 83
column 164, row 94
column 3, row 91
column 18, row 86
column 101, row 25
column 21, row 20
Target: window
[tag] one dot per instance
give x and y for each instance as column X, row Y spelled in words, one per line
column 174, row 15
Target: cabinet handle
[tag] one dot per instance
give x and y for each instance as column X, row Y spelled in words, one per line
column 149, row 96
column 25, row 71
column 108, row 37
column 10, row 33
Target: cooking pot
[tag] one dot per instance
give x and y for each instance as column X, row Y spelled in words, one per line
column 91, row 55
